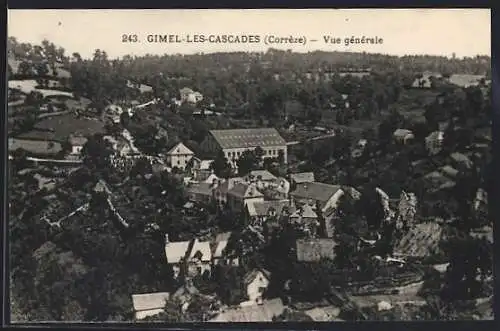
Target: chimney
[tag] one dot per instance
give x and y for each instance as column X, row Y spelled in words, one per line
column 166, row 239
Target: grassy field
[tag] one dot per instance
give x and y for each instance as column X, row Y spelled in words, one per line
column 59, row 128
column 35, row 146
column 29, row 85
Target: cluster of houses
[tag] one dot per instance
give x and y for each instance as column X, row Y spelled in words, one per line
column 263, row 202
column 188, row 96
column 427, row 79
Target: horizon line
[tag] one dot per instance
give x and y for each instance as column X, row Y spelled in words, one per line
column 69, row 53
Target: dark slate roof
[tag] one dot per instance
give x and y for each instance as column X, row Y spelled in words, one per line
column 250, row 276
column 248, row 138
column 262, row 208
column 241, row 190
column 264, row 175
column 200, row 188
column 312, row 250
column 302, row 177
column 315, row 191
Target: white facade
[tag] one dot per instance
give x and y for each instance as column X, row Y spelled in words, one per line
column 256, row 287
column 179, row 156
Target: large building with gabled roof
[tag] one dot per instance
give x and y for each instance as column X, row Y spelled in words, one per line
column 234, row 142
column 179, row 156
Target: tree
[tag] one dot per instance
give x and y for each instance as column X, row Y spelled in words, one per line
column 230, row 289
column 34, row 98
column 349, row 224
column 57, row 273
column 371, row 204
column 125, row 119
column 147, row 140
column 97, row 154
column 221, row 166
column 25, row 69
column 248, row 161
column 41, row 69
column 311, row 282
column 470, row 263
column 141, row 167
column 281, row 157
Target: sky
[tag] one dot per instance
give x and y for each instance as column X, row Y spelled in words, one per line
column 465, row 32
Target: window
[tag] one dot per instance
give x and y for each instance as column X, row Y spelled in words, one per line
column 274, row 152
column 178, row 162
column 262, row 289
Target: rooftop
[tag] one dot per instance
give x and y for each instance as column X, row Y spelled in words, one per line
column 402, row 133
column 203, row 247
column 263, row 208
column 262, row 175
column 252, row 274
column 302, row 177
column 221, row 241
column 307, row 212
column 257, row 313
column 205, row 164
column 176, row 251
column 460, row 158
column 315, row 191
column 242, row 191
column 180, row 149
column 421, row 240
column 465, row 80
column 248, row 138
column 313, row 250
column 324, row 314
column 77, row 140
column 200, row 188
column 149, row 301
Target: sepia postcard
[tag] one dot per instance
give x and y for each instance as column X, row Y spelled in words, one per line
column 260, row 165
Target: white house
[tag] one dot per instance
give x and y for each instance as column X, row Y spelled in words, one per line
column 434, row 142
column 179, row 156
column 255, row 283
column 77, row 143
column 190, row 96
column 200, row 258
column 220, row 255
column 241, row 194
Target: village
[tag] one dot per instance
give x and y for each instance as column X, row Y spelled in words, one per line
column 217, row 220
